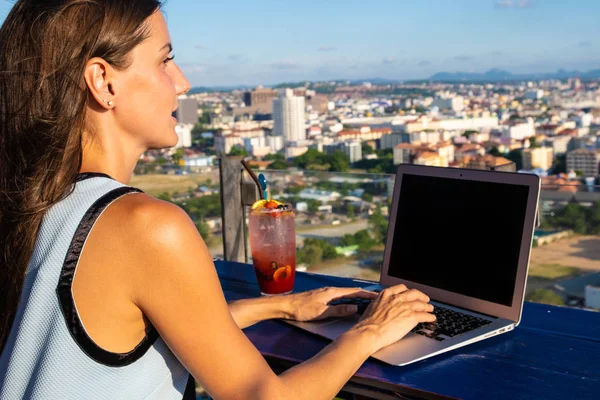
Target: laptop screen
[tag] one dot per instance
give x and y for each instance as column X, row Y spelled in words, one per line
column 458, row 235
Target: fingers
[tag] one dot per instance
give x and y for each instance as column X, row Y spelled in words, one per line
column 424, row 317
column 395, row 290
column 413, row 295
column 419, row 306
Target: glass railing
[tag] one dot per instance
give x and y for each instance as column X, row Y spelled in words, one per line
column 341, row 224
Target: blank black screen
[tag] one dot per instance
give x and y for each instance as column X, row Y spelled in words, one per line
column 459, row 235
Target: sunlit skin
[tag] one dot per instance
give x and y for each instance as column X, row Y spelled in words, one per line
column 145, row 261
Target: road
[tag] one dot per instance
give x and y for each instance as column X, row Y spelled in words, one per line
column 332, row 231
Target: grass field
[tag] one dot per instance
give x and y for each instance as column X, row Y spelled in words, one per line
column 553, row 271
column 157, row 184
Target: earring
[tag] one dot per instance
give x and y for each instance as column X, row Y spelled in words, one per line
column 109, row 103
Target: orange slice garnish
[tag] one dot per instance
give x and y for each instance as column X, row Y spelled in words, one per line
column 282, row 273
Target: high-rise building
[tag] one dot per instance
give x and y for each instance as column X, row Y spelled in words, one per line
column 289, row 117
column 187, row 111
column 584, row 160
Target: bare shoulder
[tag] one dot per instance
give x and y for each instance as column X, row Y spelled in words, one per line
column 147, row 219
column 152, row 232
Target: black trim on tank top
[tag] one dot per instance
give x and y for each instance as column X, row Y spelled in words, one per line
column 65, row 294
column 190, row 389
column 88, row 175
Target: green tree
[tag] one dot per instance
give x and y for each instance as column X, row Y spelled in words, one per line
column 164, row 196
column 313, row 205
column 204, row 231
column 594, row 220
column 347, row 240
column 516, row 156
column 339, row 162
column 311, row 255
column 327, row 249
column 364, row 240
column 469, row 132
column 560, row 164
column 279, row 164
column 178, row 156
column 379, row 225
column 238, row 151
column 350, row 211
column 275, row 157
column 366, row 149
column 367, row 197
column 495, row 152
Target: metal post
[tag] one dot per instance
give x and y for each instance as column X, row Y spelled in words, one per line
column 234, row 244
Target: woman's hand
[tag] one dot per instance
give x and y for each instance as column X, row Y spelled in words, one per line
column 394, row 313
column 313, row 305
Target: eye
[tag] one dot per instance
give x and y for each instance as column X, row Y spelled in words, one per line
column 166, row 60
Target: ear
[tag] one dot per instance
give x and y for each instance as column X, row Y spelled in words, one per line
column 99, row 77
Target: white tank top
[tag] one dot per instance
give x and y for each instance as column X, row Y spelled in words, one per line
column 48, row 354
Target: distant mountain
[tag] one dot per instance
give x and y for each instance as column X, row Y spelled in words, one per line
column 375, row 81
column 207, row 89
column 501, row 75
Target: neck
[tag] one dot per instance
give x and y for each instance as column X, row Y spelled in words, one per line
column 108, row 155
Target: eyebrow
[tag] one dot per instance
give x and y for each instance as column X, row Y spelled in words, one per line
column 167, row 46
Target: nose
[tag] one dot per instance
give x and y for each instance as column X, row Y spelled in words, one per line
column 182, row 85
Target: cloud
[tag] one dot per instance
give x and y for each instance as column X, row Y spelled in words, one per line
column 463, row 58
column 326, row 48
column 199, row 47
column 514, row 4
column 585, row 44
column 285, row 64
column 424, row 63
column 389, row 60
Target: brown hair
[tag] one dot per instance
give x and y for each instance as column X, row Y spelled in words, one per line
column 44, row 48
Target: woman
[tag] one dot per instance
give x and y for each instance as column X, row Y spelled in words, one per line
column 107, row 292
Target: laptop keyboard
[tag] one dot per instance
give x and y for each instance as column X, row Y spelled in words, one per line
column 449, row 323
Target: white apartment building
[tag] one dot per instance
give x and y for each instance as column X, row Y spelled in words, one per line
column 519, row 131
column 402, row 153
column 540, row 157
column 224, row 143
column 275, row 143
column 352, row 149
column 257, row 146
column 584, row 160
column 559, row 144
column 466, row 124
column 289, row 116
column 184, row 133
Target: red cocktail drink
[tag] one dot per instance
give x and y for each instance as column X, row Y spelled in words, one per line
column 273, row 244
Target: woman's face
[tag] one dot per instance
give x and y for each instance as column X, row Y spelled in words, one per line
column 147, row 91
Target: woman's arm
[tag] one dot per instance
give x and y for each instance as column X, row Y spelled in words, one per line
column 174, row 282
column 306, row 306
column 248, row 312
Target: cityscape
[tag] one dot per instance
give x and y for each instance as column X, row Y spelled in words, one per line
column 331, row 149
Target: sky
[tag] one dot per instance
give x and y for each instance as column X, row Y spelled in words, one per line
column 241, row 42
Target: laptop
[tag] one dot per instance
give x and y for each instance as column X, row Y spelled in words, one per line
column 463, row 237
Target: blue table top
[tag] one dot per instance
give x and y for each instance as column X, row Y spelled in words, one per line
column 553, row 354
